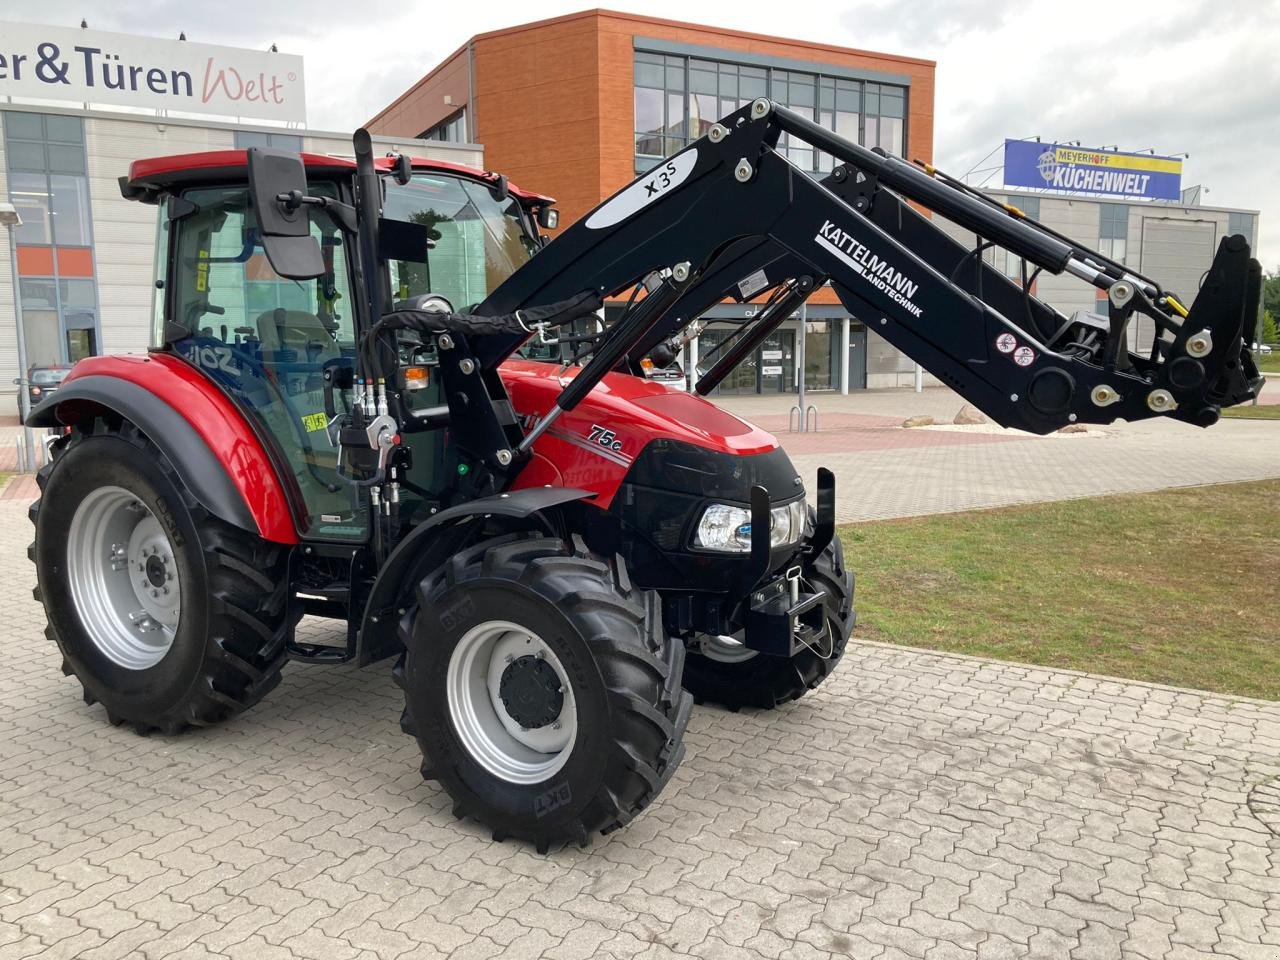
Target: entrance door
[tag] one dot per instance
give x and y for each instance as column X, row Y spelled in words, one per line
column 770, row 369
column 857, row 357
column 777, row 361
column 742, row 378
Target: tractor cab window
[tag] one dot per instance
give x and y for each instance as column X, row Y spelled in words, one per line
column 266, row 340
column 479, row 240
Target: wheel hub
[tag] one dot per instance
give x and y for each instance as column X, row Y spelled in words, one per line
column 155, row 570
column 531, row 692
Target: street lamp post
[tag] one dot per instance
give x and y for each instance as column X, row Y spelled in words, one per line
column 10, row 219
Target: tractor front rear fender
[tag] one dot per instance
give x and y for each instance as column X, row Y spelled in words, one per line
column 429, row 545
column 208, row 441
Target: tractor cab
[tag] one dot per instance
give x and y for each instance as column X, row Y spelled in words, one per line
column 277, row 344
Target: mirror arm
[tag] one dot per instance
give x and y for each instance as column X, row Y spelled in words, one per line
column 343, row 214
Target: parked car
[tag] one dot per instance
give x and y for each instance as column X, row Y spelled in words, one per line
column 40, row 383
column 1262, row 349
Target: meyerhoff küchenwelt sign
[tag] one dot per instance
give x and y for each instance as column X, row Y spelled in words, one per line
column 91, row 66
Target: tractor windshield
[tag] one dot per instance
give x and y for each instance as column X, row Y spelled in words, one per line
column 479, row 240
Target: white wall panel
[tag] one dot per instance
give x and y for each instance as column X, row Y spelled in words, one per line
column 124, row 230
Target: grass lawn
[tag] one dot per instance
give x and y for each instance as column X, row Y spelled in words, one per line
column 1269, row 363
column 1247, row 411
column 1179, row 587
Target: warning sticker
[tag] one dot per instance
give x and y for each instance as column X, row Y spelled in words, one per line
column 314, row 422
column 1024, row 356
column 1006, row 343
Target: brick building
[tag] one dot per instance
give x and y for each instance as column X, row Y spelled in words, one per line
column 578, row 105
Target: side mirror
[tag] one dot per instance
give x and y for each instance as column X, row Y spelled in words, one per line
column 277, row 186
column 548, row 218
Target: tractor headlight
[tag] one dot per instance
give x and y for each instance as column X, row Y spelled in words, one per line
column 728, row 528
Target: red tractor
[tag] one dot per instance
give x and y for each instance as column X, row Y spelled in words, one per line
column 378, row 395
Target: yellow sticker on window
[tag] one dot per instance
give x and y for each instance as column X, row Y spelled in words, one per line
column 314, row 422
column 202, row 271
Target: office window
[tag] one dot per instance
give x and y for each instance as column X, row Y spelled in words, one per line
column 660, row 128
column 451, row 130
column 716, row 90
column 1241, row 223
column 57, row 290
column 839, row 109
column 799, row 93
column 677, row 99
column 886, row 113
column 1113, row 230
column 276, row 141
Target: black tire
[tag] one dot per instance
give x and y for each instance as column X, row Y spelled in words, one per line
column 766, row 682
column 625, row 673
column 229, row 643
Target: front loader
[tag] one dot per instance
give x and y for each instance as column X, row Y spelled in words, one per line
column 342, row 417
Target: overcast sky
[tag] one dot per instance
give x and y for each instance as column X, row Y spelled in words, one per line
column 1182, row 76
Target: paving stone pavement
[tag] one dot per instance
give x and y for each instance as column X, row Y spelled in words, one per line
column 917, row 805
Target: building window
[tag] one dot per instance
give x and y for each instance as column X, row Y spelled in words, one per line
column 1113, row 230
column 886, row 113
column 452, row 130
column 276, row 141
column 1240, row 223
column 677, row 99
column 56, row 287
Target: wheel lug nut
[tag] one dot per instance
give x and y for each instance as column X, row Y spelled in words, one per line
column 510, row 658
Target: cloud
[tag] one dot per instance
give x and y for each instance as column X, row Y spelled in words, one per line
column 924, row 24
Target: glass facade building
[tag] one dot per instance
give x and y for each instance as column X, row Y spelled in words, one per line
column 46, row 173
column 678, row 96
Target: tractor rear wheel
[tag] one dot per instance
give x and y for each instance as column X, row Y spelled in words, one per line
column 721, row 670
column 542, row 689
column 166, row 615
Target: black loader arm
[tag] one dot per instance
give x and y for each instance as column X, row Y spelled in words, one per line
column 730, row 216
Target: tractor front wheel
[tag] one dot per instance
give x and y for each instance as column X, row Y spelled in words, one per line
column 166, row 615
column 542, row 689
column 722, row 670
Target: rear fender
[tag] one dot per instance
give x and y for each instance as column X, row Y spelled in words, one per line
column 430, row 544
column 210, row 444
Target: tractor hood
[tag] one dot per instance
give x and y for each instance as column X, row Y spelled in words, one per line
column 594, row 444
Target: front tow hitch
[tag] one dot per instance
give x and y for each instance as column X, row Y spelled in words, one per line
column 783, row 618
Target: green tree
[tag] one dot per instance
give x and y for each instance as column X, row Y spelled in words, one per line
column 1269, row 332
column 1271, row 293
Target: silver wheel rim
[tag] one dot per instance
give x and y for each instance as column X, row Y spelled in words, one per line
column 492, row 737
column 725, row 649
column 123, row 578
